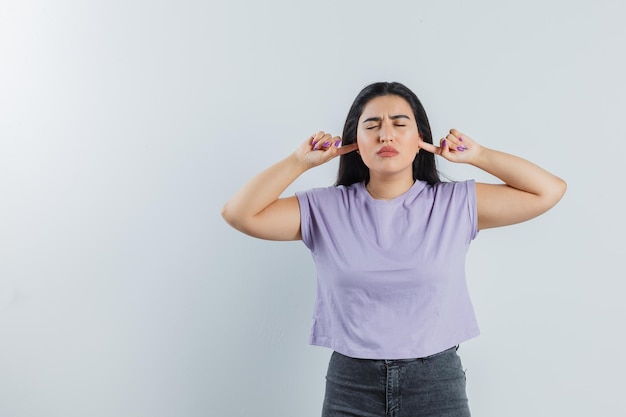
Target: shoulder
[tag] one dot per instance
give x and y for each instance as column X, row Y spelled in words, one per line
column 454, row 189
column 453, row 185
column 458, row 194
column 456, row 200
column 330, row 194
column 325, row 209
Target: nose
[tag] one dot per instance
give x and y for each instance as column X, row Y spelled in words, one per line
column 386, row 132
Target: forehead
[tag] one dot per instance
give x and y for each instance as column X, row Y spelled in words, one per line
column 387, row 105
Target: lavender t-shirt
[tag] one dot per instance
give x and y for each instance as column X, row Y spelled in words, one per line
column 391, row 273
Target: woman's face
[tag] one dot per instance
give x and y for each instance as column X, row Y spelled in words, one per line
column 387, row 136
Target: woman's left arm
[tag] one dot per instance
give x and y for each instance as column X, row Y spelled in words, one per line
column 528, row 190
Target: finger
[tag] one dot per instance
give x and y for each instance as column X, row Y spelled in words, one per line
column 328, row 143
column 464, row 141
column 455, row 141
column 460, row 136
column 323, row 141
column 452, row 139
column 347, row 149
column 443, row 145
column 429, row 147
column 317, row 136
column 456, row 133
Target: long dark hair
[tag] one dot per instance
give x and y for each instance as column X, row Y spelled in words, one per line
column 351, row 166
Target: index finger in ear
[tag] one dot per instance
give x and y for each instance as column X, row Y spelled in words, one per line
column 347, row 149
column 429, row 147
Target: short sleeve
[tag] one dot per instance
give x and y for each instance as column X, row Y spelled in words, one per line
column 304, row 200
column 472, row 208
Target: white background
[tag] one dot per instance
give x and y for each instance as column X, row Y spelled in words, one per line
column 126, row 125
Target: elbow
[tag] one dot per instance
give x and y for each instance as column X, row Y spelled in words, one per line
column 561, row 187
column 235, row 218
column 555, row 193
column 229, row 216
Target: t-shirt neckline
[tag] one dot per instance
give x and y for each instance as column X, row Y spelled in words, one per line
column 415, row 188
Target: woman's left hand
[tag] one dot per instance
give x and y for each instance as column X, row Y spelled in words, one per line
column 527, row 192
column 455, row 147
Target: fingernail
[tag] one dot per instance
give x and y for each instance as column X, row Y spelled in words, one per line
column 326, row 144
column 461, row 139
column 314, row 143
column 443, row 144
column 461, row 148
column 337, row 143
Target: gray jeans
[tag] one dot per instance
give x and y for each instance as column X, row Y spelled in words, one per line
column 433, row 386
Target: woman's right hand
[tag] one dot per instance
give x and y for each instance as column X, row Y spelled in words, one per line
column 257, row 209
column 321, row 148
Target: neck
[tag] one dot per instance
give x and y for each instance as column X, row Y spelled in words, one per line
column 387, row 189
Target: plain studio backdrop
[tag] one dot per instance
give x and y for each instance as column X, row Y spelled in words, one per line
column 126, row 125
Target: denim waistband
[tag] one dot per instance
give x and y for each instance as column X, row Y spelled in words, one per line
column 453, row 348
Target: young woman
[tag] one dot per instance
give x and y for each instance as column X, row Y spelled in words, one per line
column 389, row 242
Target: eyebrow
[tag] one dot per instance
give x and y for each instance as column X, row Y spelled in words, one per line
column 395, row 117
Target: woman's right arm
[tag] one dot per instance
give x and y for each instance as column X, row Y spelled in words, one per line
column 257, row 209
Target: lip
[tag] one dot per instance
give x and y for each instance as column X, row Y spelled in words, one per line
column 387, row 151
